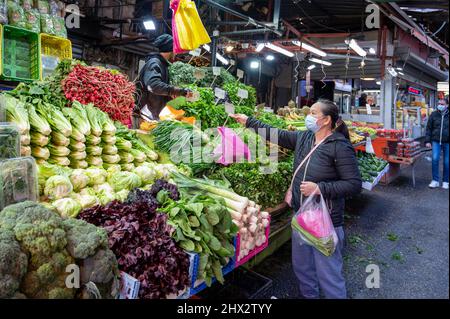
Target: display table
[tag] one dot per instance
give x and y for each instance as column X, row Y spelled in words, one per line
column 397, row 163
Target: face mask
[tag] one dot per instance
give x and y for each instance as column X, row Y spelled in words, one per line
column 311, row 123
column 442, row 107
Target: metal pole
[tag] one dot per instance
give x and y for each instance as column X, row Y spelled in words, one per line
column 214, row 50
column 242, row 16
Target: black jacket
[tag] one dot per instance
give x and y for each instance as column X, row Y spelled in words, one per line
column 437, row 127
column 154, row 88
column 333, row 166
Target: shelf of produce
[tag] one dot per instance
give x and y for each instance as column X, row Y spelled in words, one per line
column 369, row 186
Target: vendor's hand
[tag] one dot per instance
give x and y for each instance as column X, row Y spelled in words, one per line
column 309, row 188
column 428, row 145
column 240, row 118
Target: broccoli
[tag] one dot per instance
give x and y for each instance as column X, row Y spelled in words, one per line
column 13, row 265
column 83, row 238
column 36, row 246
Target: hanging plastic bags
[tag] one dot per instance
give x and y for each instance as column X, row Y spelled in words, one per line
column 189, row 29
column 176, row 41
column 312, row 223
column 231, row 149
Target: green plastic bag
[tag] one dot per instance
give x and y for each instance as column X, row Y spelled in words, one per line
column 27, row 4
column 47, row 24
column 43, row 6
column 32, row 20
column 16, row 15
column 60, row 27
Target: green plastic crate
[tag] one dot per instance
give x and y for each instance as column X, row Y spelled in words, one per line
column 20, row 55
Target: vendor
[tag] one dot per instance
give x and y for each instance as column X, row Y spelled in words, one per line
column 331, row 169
column 153, row 85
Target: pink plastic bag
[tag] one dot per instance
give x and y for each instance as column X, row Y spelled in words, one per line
column 231, row 149
column 174, row 4
column 312, row 223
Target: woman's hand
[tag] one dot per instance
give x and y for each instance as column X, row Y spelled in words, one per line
column 309, row 188
column 240, row 118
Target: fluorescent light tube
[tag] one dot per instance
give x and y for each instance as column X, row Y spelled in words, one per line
column 279, row 50
column 320, row 61
column 310, row 48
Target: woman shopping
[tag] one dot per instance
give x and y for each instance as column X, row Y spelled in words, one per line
column 325, row 163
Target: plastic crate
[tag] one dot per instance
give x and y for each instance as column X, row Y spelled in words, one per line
column 53, row 46
column 196, row 286
column 254, row 251
column 17, row 40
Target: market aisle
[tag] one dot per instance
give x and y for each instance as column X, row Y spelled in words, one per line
column 403, row 230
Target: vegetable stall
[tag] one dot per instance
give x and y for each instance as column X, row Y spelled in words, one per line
column 172, row 222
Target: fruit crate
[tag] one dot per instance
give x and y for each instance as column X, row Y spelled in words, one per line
column 20, row 55
column 370, row 185
column 52, row 46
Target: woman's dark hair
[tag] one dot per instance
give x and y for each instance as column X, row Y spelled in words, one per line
column 329, row 108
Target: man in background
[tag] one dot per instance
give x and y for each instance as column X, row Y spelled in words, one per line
column 153, row 82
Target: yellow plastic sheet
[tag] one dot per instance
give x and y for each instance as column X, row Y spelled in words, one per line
column 190, row 29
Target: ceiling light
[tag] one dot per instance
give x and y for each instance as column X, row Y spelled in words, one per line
column 149, row 25
column 222, row 59
column 312, row 66
column 207, row 47
column 309, row 48
column 270, row 57
column 378, row 82
column 368, row 79
column 229, row 48
column 399, row 69
column 320, row 61
column 254, row 64
column 401, row 73
column 355, row 47
column 279, row 50
column 372, row 51
column 259, row 47
column 392, row 71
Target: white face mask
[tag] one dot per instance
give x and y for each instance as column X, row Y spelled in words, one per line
column 311, row 123
column 442, row 107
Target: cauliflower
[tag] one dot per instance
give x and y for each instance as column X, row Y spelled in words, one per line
column 13, row 264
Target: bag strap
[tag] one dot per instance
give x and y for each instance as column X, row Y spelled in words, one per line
column 305, row 159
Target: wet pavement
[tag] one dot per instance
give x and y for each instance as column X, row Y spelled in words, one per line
column 401, row 229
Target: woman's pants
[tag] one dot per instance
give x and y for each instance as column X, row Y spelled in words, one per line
column 314, row 270
column 436, row 156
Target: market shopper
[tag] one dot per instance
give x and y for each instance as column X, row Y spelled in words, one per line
column 437, row 138
column 153, row 85
column 331, row 170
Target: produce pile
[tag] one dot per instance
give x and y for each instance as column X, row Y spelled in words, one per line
column 246, row 214
column 182, row 74
column 370, row 166
column 36, row 246
column 108, row 90
column 141, row 239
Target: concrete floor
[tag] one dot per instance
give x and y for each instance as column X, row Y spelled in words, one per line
column 403, row 230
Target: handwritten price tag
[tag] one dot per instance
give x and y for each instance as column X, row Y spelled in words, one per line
column 239, row 73
column 219, row 93
column 243, row 94
column 199, row 74
column 229, row 108
column 195, row 52
column 216, row 70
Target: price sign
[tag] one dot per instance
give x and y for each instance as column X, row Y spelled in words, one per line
column 216, row 70
column 369, row 109
column 195, row 52
column 194, row 97
column 243, row 94
column 199, row 74
column 219, row 93
column 240, row 74
column 232, row 62
column 229, row 108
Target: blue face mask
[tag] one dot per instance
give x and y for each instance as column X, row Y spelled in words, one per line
column 442, row 107
column 311, row 123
